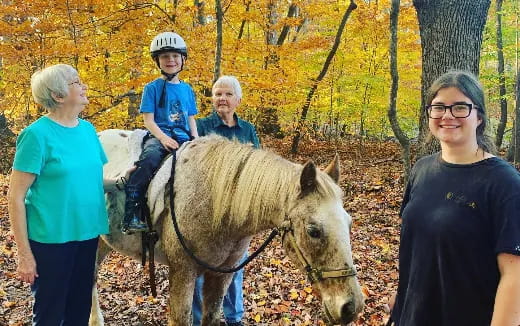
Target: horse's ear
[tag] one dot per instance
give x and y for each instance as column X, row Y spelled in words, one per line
column 308, row 183
column 333, row 168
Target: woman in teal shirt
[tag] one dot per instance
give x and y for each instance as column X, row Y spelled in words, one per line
column 56, row 200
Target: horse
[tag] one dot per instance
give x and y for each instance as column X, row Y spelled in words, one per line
column 226, row 192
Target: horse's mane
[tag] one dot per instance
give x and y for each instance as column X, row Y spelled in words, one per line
column 247, row 183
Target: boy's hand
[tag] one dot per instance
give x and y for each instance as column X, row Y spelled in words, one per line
column 169, row 143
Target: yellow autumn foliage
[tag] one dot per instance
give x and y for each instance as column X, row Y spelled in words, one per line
column 108, row 40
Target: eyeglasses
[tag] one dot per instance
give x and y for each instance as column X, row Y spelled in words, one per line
column 77, row 82
column 457, row 110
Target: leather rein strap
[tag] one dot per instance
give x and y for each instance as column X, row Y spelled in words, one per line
column 148, row 240
column 190, row 253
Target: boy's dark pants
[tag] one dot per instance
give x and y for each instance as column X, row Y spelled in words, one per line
column 149, row 161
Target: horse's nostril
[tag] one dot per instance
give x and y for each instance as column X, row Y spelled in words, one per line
column 348, row 312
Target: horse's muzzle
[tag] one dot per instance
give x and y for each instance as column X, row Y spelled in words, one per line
column 347, row 314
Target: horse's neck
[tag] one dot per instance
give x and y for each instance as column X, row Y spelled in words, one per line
column 267, row 222
column 268, row 212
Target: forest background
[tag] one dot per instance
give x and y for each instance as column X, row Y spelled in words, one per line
column 277, row 49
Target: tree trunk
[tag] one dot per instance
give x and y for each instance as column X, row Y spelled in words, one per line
column 269, row 122
column 502, row 80
column 510, row 154
column 243, row 24
column 516, row 131
column 364, row 108
column 293, row 9
column 392, row 110
column 273, row 19
column 451, row 38
column 5, row 132
column 307, row 104
column 299, row 29
column 218, row 51
column 74, row 34
column 201, row 12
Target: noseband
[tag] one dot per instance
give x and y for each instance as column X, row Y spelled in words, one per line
column 314, row 274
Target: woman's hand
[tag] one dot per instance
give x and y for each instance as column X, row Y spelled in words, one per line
column 118, row 183
column 26, row 269
column 129, row 171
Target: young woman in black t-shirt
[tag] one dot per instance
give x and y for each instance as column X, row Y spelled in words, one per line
column 459, row 256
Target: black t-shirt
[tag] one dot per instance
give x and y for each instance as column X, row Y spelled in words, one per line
column 456, row 219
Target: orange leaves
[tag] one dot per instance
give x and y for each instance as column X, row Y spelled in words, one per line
column 7, row 250
column 8, row 304
column 275, row 292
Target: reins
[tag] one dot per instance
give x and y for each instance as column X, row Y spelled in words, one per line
column 190, row 253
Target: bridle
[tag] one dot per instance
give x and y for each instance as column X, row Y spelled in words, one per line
column 314, row 274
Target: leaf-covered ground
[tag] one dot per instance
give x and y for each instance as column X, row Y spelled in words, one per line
column 275, row 292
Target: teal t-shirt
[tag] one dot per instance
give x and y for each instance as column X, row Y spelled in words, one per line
column 66, row 201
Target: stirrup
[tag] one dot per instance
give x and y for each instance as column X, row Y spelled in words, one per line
column 135, row 225
column 125, row 230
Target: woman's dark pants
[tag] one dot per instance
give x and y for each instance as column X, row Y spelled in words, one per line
column 63, row 290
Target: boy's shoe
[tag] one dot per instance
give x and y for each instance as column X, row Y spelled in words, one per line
column 135, row 225
column 131, row 220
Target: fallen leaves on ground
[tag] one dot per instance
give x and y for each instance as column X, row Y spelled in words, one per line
column 275, row 292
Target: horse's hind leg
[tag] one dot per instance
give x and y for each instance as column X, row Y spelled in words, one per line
column 96, row 318
column 213, row 291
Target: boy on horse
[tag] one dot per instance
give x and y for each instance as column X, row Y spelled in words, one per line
column 168, row 106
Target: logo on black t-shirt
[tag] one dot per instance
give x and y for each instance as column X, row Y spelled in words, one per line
column 461, row 200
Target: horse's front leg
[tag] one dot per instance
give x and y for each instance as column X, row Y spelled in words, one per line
column 182, row 284
column 213, row 291
column 96, row 317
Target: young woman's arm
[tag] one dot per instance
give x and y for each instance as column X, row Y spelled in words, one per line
column 507, row 301
column 18, row 187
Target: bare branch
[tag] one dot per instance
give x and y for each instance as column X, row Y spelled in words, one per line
column 305, row 109
column 293, row 9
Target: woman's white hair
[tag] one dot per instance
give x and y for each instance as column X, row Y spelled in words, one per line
column 52, row 80
column 231, row 81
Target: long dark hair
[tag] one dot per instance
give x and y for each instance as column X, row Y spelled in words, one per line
column 469, row 85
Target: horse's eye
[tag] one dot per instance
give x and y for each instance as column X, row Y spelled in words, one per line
column 313, row 231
